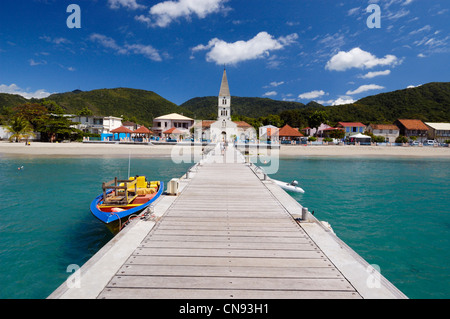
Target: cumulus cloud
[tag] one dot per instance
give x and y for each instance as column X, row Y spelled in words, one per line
column 146, row 50
column 271, row 93
column 365, row 88
column 15, row 89
column 312, row 95
column 343, row 100
column 371, row 75
column 260, row 46
column 164, row 13
column 129, row 4
column 360, row 59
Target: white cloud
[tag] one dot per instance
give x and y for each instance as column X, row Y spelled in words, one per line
column 312, row 95
column 274, row 84
column 360, row 59
column 260, row 46
column 129, row 4
column 14, row 89
column 146, row 50
column 365, row 88
column 271, row 93
column 425, row 28
column 166, row 12
column 343, row 100
column 371, row 75
column 55, row 40
column 35, row 63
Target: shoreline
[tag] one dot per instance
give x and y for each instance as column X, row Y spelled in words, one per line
column 37, row 149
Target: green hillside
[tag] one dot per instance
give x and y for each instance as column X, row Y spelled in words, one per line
column 205, row 108
column 429, row 102
column 141, row 104
column 11, row 100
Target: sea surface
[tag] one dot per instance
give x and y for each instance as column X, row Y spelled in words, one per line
column 393, row 212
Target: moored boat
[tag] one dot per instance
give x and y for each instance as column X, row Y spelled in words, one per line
column 290, row 187
column 122, row 198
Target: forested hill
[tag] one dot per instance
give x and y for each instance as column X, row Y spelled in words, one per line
column 429, row 102
column 206, row 107
column 140, row 104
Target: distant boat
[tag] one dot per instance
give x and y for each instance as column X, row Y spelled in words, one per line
column 291, row 187
column 122, row 198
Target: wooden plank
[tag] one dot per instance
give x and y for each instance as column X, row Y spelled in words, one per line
column 290, row 234
column 213, row 252
column 165, row 261
column 225, row 226
column 179, row 282
column 164, row 293
column 222, row 271
column 307, row 245
column 198, row 238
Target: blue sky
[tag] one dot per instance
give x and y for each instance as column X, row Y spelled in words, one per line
column 296, row 50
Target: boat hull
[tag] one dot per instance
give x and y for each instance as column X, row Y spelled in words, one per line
column 288, row 187
column 111, row 217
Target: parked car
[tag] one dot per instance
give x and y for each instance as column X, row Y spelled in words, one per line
column 414, row 143
column 430, row 142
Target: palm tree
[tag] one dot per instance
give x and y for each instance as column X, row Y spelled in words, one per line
column 20, row 128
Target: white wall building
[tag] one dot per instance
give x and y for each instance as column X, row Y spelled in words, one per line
column 96, row 124
column 4, row 134
column 438, row 131
column 174, row 120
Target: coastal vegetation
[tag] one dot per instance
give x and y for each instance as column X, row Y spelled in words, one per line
column 429, row 102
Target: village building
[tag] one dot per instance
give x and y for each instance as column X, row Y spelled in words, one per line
column 389, row 131
column 96, row 124
column 352, row 128
column 164, row 123
column 289, row 135
column 413, row 128
column 438, row 131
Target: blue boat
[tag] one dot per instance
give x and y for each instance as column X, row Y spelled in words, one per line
column 123, row 198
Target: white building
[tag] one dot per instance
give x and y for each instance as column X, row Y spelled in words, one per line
column 164, row 123
column 4, row 134
column 96, row 124
column 390, row 132
column 272, row 130
column 438, row 131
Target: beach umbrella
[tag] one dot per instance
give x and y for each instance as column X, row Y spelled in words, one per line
column 122, row 130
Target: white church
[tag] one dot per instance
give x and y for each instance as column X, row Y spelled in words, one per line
column 224, row 129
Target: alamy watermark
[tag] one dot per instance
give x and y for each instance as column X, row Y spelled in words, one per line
column 374, row 20
column 74, row 280
column 374, row 279
column 74, row 20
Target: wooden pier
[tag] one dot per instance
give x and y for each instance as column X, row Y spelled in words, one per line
column 230, row 233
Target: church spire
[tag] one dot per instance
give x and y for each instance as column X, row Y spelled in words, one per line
column 224, row 110
column 224, row 89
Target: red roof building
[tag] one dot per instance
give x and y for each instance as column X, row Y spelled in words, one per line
column 352, row 127
column 287, row 133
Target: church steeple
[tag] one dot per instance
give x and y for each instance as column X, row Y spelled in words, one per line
column 224, row 89
column 224, row 107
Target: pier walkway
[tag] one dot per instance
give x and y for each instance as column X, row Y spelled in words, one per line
column 229, row 234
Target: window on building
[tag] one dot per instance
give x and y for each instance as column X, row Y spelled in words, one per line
column 159, row 124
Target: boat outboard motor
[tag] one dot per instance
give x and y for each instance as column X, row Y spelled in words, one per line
column 294, row 183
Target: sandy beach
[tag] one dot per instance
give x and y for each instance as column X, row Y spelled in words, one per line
column 123, row 150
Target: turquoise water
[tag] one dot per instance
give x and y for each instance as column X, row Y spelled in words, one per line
column 393, row 212
column 45, row 221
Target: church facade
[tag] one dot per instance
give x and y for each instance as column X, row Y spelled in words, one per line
column 224, row 129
